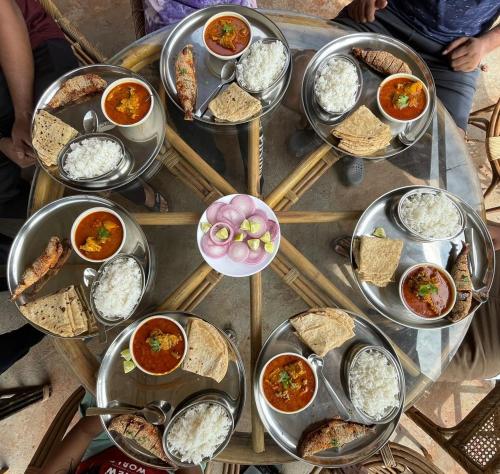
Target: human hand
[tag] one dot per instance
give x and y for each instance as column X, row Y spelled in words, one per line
column 22, row 159
column 363, row 11
column 21, row 135
column 466, row 53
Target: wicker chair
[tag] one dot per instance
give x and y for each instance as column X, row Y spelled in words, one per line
column 475, row 441
column 491, row 127
column 137, row 8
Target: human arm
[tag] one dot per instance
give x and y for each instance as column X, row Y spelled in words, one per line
column 363, row 11
column 16, row 63
column 466, row 53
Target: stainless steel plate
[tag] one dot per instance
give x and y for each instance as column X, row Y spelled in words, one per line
column 190, row 30
column 287, row 430
column 138, row 388
column 142, row 143
column 382, row 213
column 57, row 218
column 371, row 80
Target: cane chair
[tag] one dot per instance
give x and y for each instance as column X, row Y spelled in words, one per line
column 475, row 442
column 137, row 8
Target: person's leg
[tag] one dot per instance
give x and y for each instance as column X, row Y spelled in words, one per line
column 14, row 345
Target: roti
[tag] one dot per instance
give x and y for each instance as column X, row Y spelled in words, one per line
column 323, row 329
column 234, row 105
column 207, row 353
column 50, row 136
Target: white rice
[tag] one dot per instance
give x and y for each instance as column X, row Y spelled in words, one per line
column 336, row 85
column 374, row 384
column 195, row 435
column 261, row 66
column 430, row 215
column 91, row 158
column 118, row 289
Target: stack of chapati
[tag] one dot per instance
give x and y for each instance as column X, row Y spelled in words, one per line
column 234, row 105
column 62, row 313
column 207, row 353
column 362, row 133
column 377, row 259
column 50, row 136
column 323, row 329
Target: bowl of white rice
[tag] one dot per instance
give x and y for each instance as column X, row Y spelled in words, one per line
column 263, row 65
column 198, row 432
column 338, row 84
column 117, row 289
column 375, row 383
column 430, row 215
column 91, row 157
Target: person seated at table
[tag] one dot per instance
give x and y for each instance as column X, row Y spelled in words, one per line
column 452, row 36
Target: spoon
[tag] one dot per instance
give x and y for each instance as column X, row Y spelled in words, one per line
column 318, row 363
column 91, row 123
column 227, row 75
column 154, row 412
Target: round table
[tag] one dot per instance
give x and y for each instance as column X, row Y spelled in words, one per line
column 323, row 208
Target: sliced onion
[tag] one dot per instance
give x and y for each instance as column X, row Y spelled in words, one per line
column 218, row 226
column 230, row 213
column 261, row 213
column 212, row 250
column 212, row 211
column 257, row 218
column 273, row 228
column 244, row 203
column 256, row 256
column 238, row 251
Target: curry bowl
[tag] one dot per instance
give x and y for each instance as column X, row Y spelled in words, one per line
column 158, row 345
column 126, row 104
column 102, row 231
column 280, row 374
column 217, row 16
column 411, row 77
column 424, row 283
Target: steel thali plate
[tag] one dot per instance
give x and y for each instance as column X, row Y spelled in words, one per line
column 142, row 143
column 189, row 31
column 139, row 388
column 381, row 213
column 324, row 123
column 57, row 218
column 286, row 430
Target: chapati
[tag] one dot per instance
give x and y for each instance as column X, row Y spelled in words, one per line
column 234, row 105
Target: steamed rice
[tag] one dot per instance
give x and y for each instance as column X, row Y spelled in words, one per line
column 374, row 384
column 196, row 434
column 430, row 215
column 336, row 85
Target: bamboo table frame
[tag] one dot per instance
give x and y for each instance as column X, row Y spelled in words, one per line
column 293, row 268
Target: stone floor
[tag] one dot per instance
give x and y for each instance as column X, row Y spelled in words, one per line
column 21, row 434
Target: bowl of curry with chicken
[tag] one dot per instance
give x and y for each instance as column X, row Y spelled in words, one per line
column 402, row 98
column 158, row 345
column 98, row 234
column 127, row 102
column 288, row 383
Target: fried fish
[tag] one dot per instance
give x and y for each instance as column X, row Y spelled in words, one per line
column 462, row 278
column 382, row 61
column 185, row 81
column 77, row 89
column 334, row 433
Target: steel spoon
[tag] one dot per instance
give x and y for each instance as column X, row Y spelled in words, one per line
column 154, row 412
column 227, row 74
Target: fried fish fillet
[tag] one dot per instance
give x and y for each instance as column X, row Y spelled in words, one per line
column 462, row 278
column 331, row 434
column 40, row 267
column 139, row 430
column 77, row 89
column 382, row 61
column 185, row 81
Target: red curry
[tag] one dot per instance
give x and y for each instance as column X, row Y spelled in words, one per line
column 99, row 235
column 127, row 103
column 403, row 98
column 158, row 346
column 288, row 383
column 427, row 292
column 227, row 35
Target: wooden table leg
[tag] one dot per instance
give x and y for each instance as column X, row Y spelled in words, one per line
column 316, row 217
column 166, row 218
column 254, row 158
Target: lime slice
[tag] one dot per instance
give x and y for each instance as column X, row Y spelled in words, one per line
column 266, row 237
column 245, row 225
column 239, row 237
column 269, row 247
column 254, row 227
column 126, row 354
column 379, row 232
column 128, row 366
column 205, row 227
column 253, row 243
column 222, row 233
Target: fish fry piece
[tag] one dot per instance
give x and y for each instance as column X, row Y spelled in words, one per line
column 77, row 89
column 185, row 81
column 382, row 61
